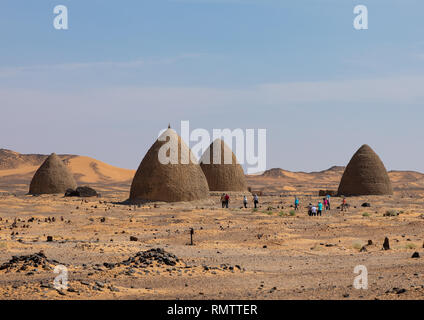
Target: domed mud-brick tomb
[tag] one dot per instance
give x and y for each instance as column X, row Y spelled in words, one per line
column 365, row 175
column 52, row 177
column 222, row 175
column 171, row 182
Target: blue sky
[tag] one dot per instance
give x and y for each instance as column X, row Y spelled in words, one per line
column 125, row 69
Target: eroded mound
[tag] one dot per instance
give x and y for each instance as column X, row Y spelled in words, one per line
column 29, row 262
column 152, row 257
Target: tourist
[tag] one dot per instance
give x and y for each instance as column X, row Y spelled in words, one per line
column 255, row 200
column 310, row 209
column 325, row 201
column 313, row 211
column 343, row 207
column 245, row 201
column 223, row 200
column 328, row 202
column 296, row 203
column 319, row 213
column 227, row 200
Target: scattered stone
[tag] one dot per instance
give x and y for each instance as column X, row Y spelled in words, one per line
column 363, row 249
column 113, row 289
column 49, row 238
column 370, row 242
column 366, row 205
column 132, row 238
column 399, row 291
column 61, row 292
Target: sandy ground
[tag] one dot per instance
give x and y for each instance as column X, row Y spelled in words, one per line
column 271, row 253
column 237, row 253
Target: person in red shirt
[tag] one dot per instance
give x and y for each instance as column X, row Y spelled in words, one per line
column 343, row 206
column 227, row 200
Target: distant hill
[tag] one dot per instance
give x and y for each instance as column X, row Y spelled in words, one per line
column 283, row 181
column 16, row 171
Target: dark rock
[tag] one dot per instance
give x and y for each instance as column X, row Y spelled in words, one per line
column 49, row 238
column 71, row 193
column 81, row 192
column 366, row 205
column 416, row 255
column 363, row 249
column 386, row 244
column 133, row 238
column 370, row 242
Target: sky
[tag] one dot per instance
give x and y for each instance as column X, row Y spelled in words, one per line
column 123, row 70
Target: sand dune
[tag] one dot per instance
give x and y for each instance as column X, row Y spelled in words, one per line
column 17, row 170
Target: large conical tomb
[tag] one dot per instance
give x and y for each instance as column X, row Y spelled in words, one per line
column 221, row 168
column 365, row 175
column 169, row 172
column 52, row 177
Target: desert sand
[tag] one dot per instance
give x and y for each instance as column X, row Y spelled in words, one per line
column 237, row 253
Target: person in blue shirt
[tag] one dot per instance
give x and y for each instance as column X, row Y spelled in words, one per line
column 319, row 213
column 296, row 203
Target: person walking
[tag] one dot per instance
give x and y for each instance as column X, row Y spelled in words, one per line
column 256, row 200
column 325, row 204
column 245, row 201
column 227, row 200
column 223, row 200
column 314, row 211
column 343, row 207
column 296, row 203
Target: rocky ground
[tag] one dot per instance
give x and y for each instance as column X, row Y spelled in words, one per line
column 115, row 251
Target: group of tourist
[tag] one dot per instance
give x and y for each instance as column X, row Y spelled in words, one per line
column 313, row 210
column 225, row 200
column 316, row 210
